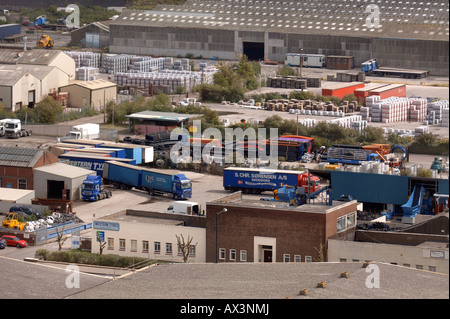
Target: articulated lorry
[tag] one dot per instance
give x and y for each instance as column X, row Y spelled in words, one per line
column 256, row 181
column 155, row 182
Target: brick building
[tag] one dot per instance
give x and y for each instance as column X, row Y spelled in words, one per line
column 259, row 231
column 16, row 166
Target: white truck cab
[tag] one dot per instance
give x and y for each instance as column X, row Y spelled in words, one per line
column 184, row 207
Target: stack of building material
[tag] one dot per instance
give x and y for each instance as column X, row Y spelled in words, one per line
column 445, row 117
column 308, row 122
column 347, row 121
column 85, row 59
column 436, row 111
column 114, row 63
column 421, row 130
column 203, row 65
column 418, row 110
column 313, row 82
column 182, row 64
column 87, row 74
column 348, row 77
column 168, row 63
column 146, row 64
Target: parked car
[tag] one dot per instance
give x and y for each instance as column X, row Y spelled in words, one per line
column 2, row 244
column 14, row 241
column 25, row 210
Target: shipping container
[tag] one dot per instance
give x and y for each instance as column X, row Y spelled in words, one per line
column 131, row 151
column 398, row 90
column 8, row 30
column 362, row 93
column 341, row 89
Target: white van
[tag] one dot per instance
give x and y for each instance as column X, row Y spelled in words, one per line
column 184, row 207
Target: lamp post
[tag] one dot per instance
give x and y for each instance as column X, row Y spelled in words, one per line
column 217, row 233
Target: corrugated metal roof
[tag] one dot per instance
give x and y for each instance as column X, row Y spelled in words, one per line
column 162, row 116
column 410, row 20
column 65, row 170
column 19, row 157
column 37, row 56
column 93, row 85
column 10, row 74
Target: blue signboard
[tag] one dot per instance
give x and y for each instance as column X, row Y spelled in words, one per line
column 106, row 225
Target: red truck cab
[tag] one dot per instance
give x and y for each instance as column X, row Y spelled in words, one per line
column 314, row 182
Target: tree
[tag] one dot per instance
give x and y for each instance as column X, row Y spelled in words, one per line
column 102, row 243
column 286, row 71
column 60, row 238
column 48, row 111
column 185, row 246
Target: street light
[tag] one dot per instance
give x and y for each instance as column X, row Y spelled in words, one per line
column 217, row 233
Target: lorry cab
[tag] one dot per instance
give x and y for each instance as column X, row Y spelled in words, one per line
column 182, row 187
column 184, row 207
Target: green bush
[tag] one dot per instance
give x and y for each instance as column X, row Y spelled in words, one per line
column 83, row 257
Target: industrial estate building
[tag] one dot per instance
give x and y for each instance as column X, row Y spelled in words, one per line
column 17, row 166
column 259, row 231
column 95, row 94
column 263, row 29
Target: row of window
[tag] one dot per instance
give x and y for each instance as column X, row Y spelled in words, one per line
column 21, row 183
column 346, row 222
column 430, row 268
column 145, row 247
column 243, row 256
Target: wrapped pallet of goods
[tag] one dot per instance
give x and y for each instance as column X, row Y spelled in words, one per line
column 87, row 74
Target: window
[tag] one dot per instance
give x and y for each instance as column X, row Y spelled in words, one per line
column 121, row 244
column 157, row 247
column 406, row 265
column 110, row 244
column 286, row 258
column 355, row 260
column 22, row 183
column 343, row 260
column 168, row 248
column 308, row 259
column 232, row 254
column 419, row 267
column 1, row 182
column 134, row 245
column 192, row 249
column 243, row 255
column 297, row 258
column 341, row 224
column 180, row 251
column 432, row 268
column 351, row 220
column 145, row 246
column 222, row 253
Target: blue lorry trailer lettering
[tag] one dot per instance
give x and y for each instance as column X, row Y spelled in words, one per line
column 91, row 162
column 261, row 180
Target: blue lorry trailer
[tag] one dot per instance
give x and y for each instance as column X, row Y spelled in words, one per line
column 131, row 151
column 155, row 182
column 92, row 162
column 255, row 181
column 112, row 152
column 8, row 30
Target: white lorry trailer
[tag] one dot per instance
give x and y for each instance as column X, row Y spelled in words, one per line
column 87, row 131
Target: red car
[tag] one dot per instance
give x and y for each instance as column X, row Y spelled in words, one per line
column 14, row 241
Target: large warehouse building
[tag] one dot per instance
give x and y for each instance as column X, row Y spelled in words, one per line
column 410, row 34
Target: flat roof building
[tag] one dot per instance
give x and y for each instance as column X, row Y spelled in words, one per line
column 96, row 94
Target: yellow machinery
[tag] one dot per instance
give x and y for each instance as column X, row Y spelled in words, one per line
column 45, row 42
column 12, row 221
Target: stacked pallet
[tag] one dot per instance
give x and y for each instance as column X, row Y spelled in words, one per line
column 418, row 110
column 85, row 59
column 168, row 63
column 183, row 65
column 421, row 130
column 146, row 64
column 87, row 74
column 308, row 122
column 115, row 63
column 347, row 77
column 445, row 117
column 348, row 121
column 436, row 111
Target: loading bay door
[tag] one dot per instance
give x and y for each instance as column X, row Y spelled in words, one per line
column 254, row 50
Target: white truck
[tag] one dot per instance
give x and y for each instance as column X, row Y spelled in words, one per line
column 185, row 207
column 2, row 127
column 13, row 129
column 87, row 131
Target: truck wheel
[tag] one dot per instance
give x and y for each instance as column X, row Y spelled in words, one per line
column 151, row 192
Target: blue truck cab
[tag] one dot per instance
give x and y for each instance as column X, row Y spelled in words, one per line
column 182, row 187
column 157, row 182
column 92, row 189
